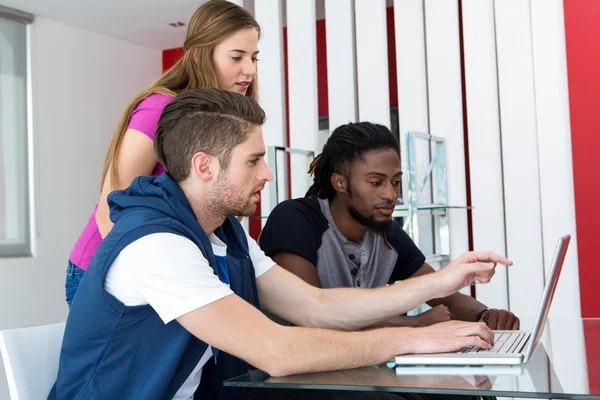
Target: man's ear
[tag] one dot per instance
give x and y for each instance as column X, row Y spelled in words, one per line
column 203, row 166
column 339, row 183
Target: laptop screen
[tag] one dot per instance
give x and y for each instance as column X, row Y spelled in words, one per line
column 551, row 283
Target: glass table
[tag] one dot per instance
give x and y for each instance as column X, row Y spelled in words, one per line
column 565, row 365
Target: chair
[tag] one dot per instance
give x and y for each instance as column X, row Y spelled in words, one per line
column 30, row 358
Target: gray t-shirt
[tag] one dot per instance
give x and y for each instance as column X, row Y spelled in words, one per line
column 306, row 228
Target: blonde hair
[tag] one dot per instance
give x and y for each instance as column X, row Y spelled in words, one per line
column 210, row 25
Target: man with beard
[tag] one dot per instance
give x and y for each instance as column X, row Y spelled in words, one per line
column 170, row 304
column 342, row 233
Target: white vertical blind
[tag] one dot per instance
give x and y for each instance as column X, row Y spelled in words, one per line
column 520, row 155
column 341, row 62
column 372, row 61
column 485, row 153
column 445, row 108
column 302, row 81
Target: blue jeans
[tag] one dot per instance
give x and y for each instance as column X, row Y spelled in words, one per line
column 74, row 274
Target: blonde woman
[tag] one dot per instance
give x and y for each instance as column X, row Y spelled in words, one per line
column 220, row 51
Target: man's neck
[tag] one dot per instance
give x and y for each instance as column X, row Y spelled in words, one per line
column 348, row 226
column 207, row 212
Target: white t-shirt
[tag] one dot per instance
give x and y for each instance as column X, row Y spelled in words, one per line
column 170, row 273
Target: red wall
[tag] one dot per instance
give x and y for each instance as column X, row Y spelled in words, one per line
column 170, row 57
column 582, row 32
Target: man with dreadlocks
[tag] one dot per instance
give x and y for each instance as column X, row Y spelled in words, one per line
column 342, row 233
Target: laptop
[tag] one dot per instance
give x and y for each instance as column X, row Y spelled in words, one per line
column 510, row 347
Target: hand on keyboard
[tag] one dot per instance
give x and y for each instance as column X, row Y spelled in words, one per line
column 501, row 320
column 504, row 343
column 452, row 336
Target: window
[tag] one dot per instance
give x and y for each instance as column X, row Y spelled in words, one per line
column 15, row 210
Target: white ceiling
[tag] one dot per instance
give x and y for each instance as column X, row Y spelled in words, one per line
column 145, row 22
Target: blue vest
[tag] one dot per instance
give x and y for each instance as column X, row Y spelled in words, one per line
column 112, row 351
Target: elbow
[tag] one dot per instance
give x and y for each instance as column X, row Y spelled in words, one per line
column 316, row 313
column 103, row 220
column 279, row 368
column 101, row 223
column 277, row 365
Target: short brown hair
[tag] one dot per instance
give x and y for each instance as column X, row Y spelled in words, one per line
column 213, row 121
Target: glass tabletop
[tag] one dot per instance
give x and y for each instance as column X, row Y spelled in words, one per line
column 564, row 365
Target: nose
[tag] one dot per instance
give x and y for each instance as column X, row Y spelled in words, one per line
column 249, row 68
column 265, row 173
column 389, row 193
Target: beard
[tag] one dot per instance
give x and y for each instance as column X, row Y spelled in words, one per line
column 370, row 221
column 230, row 201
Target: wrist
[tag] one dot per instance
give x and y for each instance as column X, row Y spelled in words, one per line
column 404, row 340
column 482, row 314
column 432, row 286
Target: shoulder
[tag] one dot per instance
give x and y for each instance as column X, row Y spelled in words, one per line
column 147, row 113
column 398, row 237
column 304, row 208
column 294, row 226
column 150, row 253
column 155, row 101
column 160, row 244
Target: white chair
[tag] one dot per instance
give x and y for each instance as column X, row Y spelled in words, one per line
column 30, row 358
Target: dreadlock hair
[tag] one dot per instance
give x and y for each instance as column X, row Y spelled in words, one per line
column 347, row 143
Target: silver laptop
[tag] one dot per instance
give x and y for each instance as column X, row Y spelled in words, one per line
column 510, row 347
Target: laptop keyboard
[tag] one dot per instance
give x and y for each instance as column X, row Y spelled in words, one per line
column 504, row 343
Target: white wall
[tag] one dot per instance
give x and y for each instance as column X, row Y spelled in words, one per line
column 82, row 81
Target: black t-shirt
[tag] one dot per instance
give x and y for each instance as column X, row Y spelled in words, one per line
column 304, row 227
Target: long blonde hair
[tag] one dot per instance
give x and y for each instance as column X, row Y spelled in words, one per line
column 210, row 25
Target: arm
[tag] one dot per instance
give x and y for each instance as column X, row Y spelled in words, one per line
column 289, row 297
column 236, row 327
column 189, row 292
column 136, row 158
column 306, row 271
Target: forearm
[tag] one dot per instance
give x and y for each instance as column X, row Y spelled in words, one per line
column 354, row 309
column 303, row 350
column 234, row 326
column 462, row 307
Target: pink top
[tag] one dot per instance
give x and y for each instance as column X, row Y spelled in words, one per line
column 144, row 119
